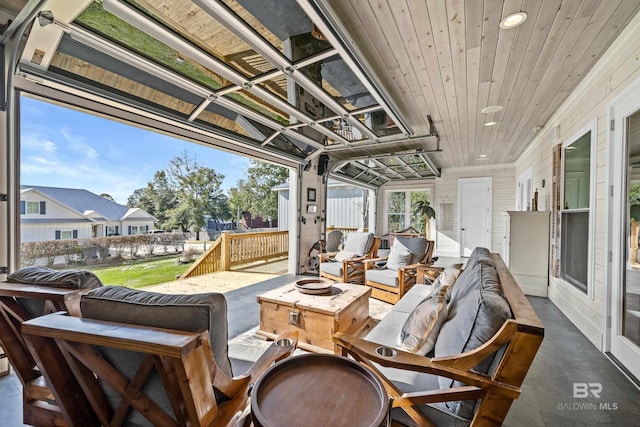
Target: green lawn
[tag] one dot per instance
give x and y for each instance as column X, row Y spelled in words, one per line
column 140, row 273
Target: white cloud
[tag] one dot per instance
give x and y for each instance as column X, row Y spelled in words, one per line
column 37, row 142
column 78, row 144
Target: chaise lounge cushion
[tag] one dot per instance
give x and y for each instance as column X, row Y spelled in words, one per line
column 197, row 312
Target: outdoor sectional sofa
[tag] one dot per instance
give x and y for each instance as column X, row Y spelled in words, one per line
column 488, row 337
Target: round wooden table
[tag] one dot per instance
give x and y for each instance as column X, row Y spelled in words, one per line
column 319, row 390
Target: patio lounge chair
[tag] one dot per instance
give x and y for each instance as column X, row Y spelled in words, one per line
column 142, row 358
column 29, row 293
column 394, row 275
column 347, row 265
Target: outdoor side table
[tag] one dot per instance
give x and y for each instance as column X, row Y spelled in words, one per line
column 317, row 390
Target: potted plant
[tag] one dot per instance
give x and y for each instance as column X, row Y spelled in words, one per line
column 423, row 208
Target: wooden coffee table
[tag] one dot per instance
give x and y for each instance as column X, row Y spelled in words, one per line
column 316, row 318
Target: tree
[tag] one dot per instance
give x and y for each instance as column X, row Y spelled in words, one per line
column 107, row 196
column 255, row 194
column 198, row 194
column 183, row 196
column 157, row 198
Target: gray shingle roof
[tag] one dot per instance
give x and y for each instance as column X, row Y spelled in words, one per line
column 82, row 201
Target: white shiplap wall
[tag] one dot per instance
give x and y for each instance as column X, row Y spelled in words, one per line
column 446, row 192
column 615, row 71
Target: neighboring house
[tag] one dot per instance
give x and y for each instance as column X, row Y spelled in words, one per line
column 346, row 205
column 50, row 213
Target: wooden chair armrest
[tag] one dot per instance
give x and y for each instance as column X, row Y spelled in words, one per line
column 323, row 257
column 365, row 351
column 163, row 342
column 40, row 292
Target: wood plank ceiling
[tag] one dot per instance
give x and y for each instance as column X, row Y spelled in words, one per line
column 450, row 59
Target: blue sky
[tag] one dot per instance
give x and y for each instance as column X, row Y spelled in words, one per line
column 61, row 147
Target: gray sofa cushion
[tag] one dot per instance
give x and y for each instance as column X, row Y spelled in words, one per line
column 359, row 243
column 482, row 255
column 473, row 320
column 42, row 276
column 480, row 275
column 196, row 312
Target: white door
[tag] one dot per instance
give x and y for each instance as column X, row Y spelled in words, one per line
column 474, row 199
column 623, row 334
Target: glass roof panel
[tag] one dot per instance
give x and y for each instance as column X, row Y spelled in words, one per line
column 380, row 123
column 148, row 94
column 283, row 24
column 336, row 79
column 258, row 105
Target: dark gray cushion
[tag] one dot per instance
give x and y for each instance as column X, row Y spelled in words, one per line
column 191, row 313
column 76, row 279
column 359, row 243
column 43, row 276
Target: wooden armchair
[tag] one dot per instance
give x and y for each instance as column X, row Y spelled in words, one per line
column 391, row 277
column 347, row 266
column 143, row 375
column 143, row 358
column 20, row 302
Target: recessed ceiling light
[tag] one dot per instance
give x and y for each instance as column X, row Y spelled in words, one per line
column 490, row 123
column 492, row 109
column 513, row 20
column 484, row 156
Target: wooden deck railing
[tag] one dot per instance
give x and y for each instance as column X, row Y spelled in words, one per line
column 232, row 249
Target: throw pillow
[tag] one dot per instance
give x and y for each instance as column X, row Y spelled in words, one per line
column 421, row 329
column 345, row 256
column 398, row 257
column 445, row 280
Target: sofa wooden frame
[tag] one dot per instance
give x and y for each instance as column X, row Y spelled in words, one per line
column 522, row 335
column 67, row 348
column 39, row 407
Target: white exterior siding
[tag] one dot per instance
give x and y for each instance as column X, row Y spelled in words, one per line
column 41, row 232
column 615, row 71
column 58, row 217
column 344, row 207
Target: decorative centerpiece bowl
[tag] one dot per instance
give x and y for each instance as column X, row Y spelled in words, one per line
column 316, row 286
